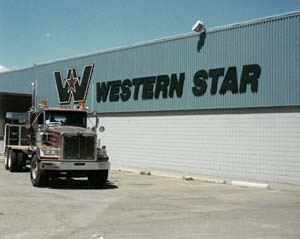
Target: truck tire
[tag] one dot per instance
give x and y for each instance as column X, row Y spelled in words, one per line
column 97, row 178
column 12, row 161
column 6, row 160
column 39, row 178
column 21, row 161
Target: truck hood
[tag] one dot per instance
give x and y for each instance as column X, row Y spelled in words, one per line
column 72, row 130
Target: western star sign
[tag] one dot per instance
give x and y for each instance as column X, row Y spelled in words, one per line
column 162, row 86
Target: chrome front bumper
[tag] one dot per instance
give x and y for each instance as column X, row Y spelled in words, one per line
column 73, row 165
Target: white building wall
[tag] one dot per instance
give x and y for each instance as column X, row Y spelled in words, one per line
column 263, row 146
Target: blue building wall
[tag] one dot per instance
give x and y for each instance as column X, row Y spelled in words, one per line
column 272, row 43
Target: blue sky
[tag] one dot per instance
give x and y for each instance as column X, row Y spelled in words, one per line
column 38, row 31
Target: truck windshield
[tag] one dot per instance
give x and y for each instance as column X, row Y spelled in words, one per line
column 67, row 118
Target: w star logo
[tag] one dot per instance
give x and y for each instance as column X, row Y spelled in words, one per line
column 72, row 85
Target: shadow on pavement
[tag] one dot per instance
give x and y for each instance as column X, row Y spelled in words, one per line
column 77, row 184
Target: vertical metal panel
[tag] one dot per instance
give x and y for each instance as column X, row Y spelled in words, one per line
column 261, row 146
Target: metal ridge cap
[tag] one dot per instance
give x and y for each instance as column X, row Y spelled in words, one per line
column 16, row 70
column 254, row 21
column 109, row 50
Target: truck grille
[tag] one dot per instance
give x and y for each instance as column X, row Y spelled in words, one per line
column 79, row 147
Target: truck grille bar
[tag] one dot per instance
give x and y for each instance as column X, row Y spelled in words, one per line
column 79, row 147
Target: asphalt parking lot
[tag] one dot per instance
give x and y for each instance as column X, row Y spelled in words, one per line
column 136, row 206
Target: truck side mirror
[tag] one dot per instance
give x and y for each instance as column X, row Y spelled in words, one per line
column 101, row 129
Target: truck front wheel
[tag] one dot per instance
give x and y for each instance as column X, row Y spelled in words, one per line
column 39, row 178
column 12, row 161
column 97, row 178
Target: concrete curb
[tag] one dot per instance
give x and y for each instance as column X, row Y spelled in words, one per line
column 171, row 175
column 179, row 175
column 210, row 180
column 250, row 184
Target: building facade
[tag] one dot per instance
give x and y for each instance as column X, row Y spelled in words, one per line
column 224, row 102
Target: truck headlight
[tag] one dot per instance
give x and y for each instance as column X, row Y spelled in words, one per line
column 51, row 152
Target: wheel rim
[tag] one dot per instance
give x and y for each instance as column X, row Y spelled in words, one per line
column 34, row 170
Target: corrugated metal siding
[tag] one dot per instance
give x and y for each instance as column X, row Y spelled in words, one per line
column 18, row 81
column 273, row 43
column 262, row 146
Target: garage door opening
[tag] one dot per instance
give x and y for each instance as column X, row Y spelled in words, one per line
column 12, row 110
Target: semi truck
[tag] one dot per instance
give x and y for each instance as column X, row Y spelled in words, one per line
column 57, row 142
